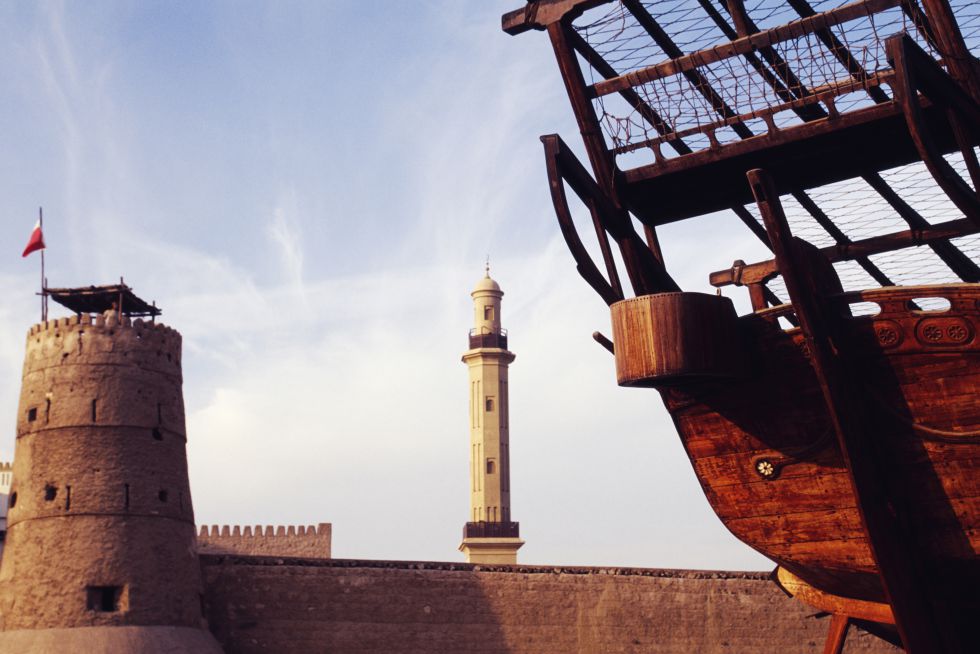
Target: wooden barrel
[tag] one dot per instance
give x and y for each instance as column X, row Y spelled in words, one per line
column 669, row 338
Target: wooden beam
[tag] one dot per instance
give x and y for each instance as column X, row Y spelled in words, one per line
column 834, row 604
column 646, row 274
column 914, row 69
column 962, row 65
column 681, row 63
column 836, row 634
column 756, row 273
column 962, row 266
column 539, row 14
column 797, row 105
column 840, row 238
column 900, row 563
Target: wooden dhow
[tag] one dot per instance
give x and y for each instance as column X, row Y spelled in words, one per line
column 835, row 428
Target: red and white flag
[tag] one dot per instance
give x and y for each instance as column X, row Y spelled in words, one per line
column 36, row 241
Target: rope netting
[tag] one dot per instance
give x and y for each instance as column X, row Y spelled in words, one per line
column 844, row 64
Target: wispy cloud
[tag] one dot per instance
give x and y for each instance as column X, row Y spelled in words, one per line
column 335, row 392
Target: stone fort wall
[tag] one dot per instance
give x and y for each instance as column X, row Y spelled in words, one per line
column 261, row 604
column 302, row 541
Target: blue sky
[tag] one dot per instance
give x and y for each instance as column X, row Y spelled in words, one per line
column 309, row 191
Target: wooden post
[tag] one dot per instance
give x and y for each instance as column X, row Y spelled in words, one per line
column 957, row 57
column 899, row 562
column 44, row 293
column 836, row 634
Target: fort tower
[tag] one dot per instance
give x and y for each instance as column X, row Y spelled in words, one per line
column 490, row 536
column 100, row 552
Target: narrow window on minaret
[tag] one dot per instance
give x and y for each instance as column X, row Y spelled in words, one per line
column 475, row 468
column 94, row 402
column 489, row 404
column 488, row 312
column 490, row 466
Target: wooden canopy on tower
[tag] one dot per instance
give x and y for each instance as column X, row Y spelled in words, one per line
column 97, row 299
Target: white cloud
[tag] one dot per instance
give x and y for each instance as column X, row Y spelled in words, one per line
column 335, row 393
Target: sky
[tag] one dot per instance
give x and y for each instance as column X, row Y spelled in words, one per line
column 309, row 190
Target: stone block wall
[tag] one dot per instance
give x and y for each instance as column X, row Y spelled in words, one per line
column 303, row 541
column 256, row 604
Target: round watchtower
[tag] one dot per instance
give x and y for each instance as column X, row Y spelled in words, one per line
column 100, row 551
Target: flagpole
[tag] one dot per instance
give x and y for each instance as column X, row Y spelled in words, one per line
column 44, row 296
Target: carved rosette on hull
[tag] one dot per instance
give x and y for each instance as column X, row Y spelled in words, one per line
column 100, row 553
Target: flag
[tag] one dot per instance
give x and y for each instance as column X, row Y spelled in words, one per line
column 36, row 241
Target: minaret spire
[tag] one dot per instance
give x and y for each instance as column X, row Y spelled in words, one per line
column 490, row 536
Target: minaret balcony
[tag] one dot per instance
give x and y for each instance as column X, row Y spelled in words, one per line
column 491, row 530
column 479, row 337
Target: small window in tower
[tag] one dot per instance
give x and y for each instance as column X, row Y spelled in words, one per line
column 32, row 414
column 488, row 312
column 162, row 495
column 50, row 492
column 104, row 599
column 489, row 404
column 12, row 500
column 491, row 466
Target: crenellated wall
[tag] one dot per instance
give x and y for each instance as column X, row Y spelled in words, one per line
column 303, row 541
column 100, row 521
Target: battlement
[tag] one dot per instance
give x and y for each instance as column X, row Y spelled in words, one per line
column 282, row 540
column 145, row 328
column 87, row 339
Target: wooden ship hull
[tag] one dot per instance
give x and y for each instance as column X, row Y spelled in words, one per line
column 758, row 435
column 835, row 429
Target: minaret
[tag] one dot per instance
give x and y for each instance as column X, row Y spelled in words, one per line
column 490, row 536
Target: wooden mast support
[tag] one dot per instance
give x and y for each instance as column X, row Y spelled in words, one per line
column 900, row 564
column 915, row 70
column 647, row 275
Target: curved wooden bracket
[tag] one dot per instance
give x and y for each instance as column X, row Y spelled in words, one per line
column 610, row 291
column 835, row 604
column 646, row 273
column 916, row 71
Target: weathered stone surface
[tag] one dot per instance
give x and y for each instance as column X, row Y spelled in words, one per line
column 109, row 640
column 259, row 604
column 100, row 527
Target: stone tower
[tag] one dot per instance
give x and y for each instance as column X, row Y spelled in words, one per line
column 100, row 553
column 490, row 536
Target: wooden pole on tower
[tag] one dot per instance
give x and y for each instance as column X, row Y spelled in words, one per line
column 44, row 292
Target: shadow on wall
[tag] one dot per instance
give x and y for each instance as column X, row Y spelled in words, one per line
column 262, row 604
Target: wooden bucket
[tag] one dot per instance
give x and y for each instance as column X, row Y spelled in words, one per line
column 671, row 338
